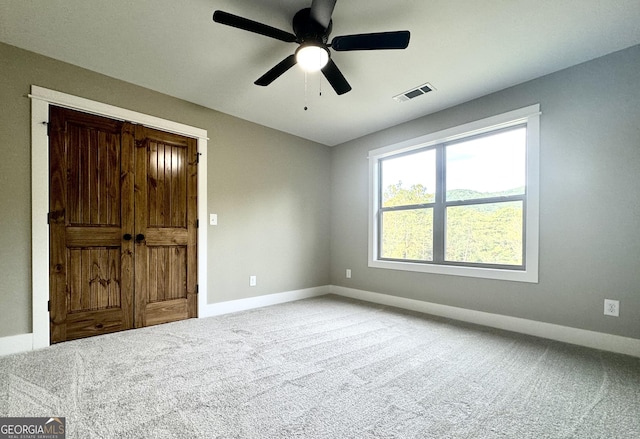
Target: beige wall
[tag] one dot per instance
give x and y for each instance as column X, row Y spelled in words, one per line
column 589, row 202
column 269, row 189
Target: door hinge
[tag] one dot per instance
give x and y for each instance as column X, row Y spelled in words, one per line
column 198, row 154
column 48, row 127
column 48, row 305
column 197, row 224
column 55, row 216
column 197, row 288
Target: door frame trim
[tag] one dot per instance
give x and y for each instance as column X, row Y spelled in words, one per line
column 41, row 98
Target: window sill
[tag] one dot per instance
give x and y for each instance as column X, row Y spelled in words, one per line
column 529, row 275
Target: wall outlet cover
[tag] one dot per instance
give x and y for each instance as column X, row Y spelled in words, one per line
column 611, row 307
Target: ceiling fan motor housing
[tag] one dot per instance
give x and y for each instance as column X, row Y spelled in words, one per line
column 307, row 30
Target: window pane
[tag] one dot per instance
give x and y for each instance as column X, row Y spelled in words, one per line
column 487, row 166
column 485, row 233
column 409, row 179
column 407, row 234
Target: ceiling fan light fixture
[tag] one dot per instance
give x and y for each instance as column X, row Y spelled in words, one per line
column 311, row 57
column 311, row 29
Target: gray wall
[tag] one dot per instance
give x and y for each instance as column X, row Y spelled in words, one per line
column 269, row 189
column 271, row 192
column 589, row 202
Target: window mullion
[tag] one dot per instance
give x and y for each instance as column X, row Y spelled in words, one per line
column 379, row 213
column 493, row 200
column 439, row 208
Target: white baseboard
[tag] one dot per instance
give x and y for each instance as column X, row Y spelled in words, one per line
column 216, row 309
column 15, row 344
column 582, row 337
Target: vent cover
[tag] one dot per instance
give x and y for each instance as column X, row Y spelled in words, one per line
column 414, row 92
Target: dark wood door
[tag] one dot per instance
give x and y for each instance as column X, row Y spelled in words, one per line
column 165, row 218
column 103, row 199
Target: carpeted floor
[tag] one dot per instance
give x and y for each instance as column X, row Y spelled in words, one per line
column 325, row 368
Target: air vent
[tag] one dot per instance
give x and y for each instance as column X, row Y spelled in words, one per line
column 414, row 92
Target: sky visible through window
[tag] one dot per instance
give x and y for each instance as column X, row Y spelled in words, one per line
column 411, row 170
column 483, row 164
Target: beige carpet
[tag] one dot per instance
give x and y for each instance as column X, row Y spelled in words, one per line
column 325, row 368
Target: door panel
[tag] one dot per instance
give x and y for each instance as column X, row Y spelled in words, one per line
column 93, row 279
column 167, row 267
column 165, row 217
column 167, row 182
column 91, row 196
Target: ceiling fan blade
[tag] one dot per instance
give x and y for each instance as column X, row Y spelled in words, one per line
column 321, row 11
column 336, row 78
column 275, row 72
column 373, row 41
column 252, row 26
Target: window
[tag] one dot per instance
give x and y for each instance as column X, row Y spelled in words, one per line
column 463, row 201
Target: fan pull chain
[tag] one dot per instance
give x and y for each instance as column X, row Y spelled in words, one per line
column 305, row 92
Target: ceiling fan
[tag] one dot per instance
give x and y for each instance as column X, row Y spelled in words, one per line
column 311, row 30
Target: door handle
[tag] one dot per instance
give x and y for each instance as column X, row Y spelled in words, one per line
column 127, row 237
column 139, row 237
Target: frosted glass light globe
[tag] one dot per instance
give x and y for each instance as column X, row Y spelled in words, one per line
column 312, row 58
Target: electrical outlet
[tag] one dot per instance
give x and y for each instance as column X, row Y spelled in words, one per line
column 611, row 307
column 348, row 273
column 253, row 281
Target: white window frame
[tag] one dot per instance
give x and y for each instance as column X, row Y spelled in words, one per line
column 528, row 115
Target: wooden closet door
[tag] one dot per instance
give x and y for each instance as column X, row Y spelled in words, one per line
column 91, row 212
column 165, row 222
column 123, row 219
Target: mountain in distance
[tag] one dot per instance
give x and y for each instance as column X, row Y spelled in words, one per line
column 469, row 194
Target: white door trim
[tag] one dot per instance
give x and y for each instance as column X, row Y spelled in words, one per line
column 41, row 98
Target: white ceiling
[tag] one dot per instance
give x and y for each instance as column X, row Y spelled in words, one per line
column 464, row 48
